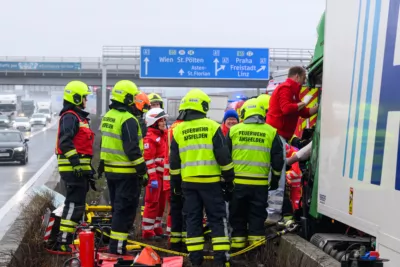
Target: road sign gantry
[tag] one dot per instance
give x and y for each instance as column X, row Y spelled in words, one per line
column 204, row 63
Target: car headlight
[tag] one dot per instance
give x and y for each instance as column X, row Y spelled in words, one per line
column 7, row 121
column 20, row 149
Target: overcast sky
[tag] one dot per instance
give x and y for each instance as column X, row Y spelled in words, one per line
column 82, row 27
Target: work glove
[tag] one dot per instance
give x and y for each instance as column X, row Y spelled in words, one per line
column 100, row 169
column 77, row 170
column 92, row 183
column 141, row 169
column 176, row 187
column 227, row 190
column 274, row 184
column 153, row 184
column 143, row 180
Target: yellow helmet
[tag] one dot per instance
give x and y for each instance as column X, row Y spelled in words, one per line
column 252, row 107
column 124, row 92
column 75, row 91
column 156, row 98
column 197, row 100
column 264, row 100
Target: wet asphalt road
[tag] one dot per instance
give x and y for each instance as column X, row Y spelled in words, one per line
column 41, row 147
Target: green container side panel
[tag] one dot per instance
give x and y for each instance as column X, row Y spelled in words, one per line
column 319, row 47
column 315, row 67
column 314, row 164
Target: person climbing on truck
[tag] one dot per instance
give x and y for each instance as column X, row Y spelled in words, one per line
column 285, row 108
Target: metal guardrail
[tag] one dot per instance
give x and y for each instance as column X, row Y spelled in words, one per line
column 275, row 53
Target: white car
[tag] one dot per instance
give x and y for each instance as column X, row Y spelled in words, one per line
column 38, row 119
column 22, row 124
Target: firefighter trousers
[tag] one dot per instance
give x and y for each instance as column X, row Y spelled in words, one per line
column 124, row 190
column 74, row 205
column 247, row 214
column 210, row 197
column 178, row 223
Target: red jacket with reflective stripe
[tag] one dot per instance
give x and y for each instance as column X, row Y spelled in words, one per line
column 154, row 151
column 83, row 140
column 293, row 176
column 283, row 112
column 166, row 177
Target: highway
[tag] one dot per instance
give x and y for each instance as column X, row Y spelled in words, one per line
column 41, row 148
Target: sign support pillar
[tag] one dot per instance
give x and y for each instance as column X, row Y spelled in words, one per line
column 103, row 90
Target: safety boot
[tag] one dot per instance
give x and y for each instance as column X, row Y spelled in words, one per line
column 62, row 247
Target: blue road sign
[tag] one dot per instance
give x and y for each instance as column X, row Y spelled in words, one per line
column 204, row 63
column 40, row 66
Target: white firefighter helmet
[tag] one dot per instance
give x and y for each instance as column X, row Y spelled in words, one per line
column 154, row 115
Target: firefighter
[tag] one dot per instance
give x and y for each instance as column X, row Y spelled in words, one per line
column 199, row 156
column 142, row 105
column 154, row 151
column 256, row 149
column 264, row 100
column 74, row 149
column 176, row 217
column 156, row 101
column 124, row 166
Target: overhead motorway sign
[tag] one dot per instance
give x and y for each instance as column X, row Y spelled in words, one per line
column 204, row 63
column 40, row 66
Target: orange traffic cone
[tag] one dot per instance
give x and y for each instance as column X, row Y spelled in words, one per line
column 148, row 257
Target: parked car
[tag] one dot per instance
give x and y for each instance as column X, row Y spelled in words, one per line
column 38, row 119
column 13, row 146
column 5, row 121
column 22, row 124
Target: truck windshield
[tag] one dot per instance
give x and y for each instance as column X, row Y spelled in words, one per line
column 44, row 111
column 7, row 107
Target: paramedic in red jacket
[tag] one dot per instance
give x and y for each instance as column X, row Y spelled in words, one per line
column 285, row 106
column 154, row 151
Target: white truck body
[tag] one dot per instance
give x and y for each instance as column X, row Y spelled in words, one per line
column 217, row 107
column 9, row 105
column 216, row 111
column 360, row 109
column 45, row 108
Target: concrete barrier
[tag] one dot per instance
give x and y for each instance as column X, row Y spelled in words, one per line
column 293, row 251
